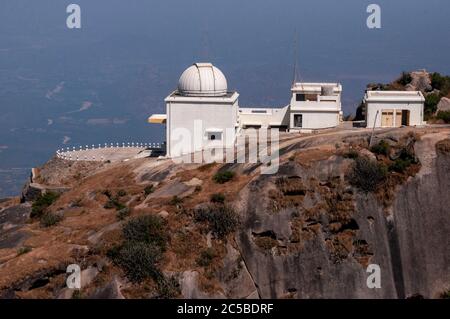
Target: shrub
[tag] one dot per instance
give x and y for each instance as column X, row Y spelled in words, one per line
column 218, row 198
column 114, row 203
column 121, row 193
column 223, row 177
column 107, row 193
column 382, row 148
column 367, row 174
column 168, row 288
column 148, row 189
column 42, row 203
column 399, row 165
column 222, row 220
column 175, row 200
column 351, row 154
column 431, row 102
column 441, row 83
column 148, row 229
column 138, row 259
column 405, row 78
column 444, row 115
column 23, row 250
column 206, row 257
column 123, row 213
column 50, row 219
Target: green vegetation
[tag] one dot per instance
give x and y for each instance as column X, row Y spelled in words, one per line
column 405, row 78
column 121, row 193
column 441, row 83
column 42, row 203
column 23, row 250
column 223, row 177
column 218, row 198
column 138, row 260
column 404, row 160
column 168, row 288
column 431, row 102
column 176, row 201
column 148, row 229
column 206, row 257
column 50, row 219
column 382, row 148
column 221, row 219
column 367, row 174
column 148, row 189
column 114, row 203
column 444, row 116
column 123, row 213
column 145, row 241
column 352, row 154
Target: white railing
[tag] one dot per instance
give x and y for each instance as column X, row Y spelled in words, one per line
column 69, row 153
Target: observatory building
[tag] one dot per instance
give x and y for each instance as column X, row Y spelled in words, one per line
column 201, row 113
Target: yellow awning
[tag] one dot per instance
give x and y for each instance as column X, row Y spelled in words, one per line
column 158, row 119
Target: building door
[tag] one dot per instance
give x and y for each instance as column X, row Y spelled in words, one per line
column 387, row 118
column 298, row 120
column 405, row 117
column 398, row 118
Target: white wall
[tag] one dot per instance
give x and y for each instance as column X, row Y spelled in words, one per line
column 276, row 117
column 215, row 115
column 316, row 120
column 416, row 111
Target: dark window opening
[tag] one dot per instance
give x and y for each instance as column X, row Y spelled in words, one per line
column 298, row 120
column 300, row 97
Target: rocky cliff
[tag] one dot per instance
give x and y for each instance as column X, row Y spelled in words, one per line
column 308, row 231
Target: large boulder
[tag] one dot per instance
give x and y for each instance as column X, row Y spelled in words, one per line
column 443, row 105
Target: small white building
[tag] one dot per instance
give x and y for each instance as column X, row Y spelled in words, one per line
column 315, row 106
column 394, row 108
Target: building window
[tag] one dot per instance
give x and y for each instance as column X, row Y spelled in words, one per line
column 214, row 136
column 300, row 97
column 298, row 120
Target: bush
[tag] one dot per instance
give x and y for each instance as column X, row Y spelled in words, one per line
column 50, row 219
column 444, row 115
column 168, row 288
column 367, row 174
column 121, row 193
column 23, row 250
column 222, row 220
column 175, row 201
column 399, row 165
column 431, row 102
column 42, row 203
column 218, row 198
column 223, row 177
column 405, row 78
column 441, row 83
column 123, row 213
column 114, row 203
column 352, row 154
column 148, row 189
column 138, row 259
column 148, row 229
column 382, row 148
column 206, row 257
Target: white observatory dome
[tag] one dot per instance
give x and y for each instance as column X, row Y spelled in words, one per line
column 202, row 79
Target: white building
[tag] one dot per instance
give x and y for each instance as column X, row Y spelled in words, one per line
column 315, row 106
column 394, row 108
column 202, row 113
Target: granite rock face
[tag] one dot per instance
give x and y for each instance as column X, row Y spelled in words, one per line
column 409, row 240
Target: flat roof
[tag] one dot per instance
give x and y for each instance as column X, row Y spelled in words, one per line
column 315, row 86
column 175, row 96
column 395, row 96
